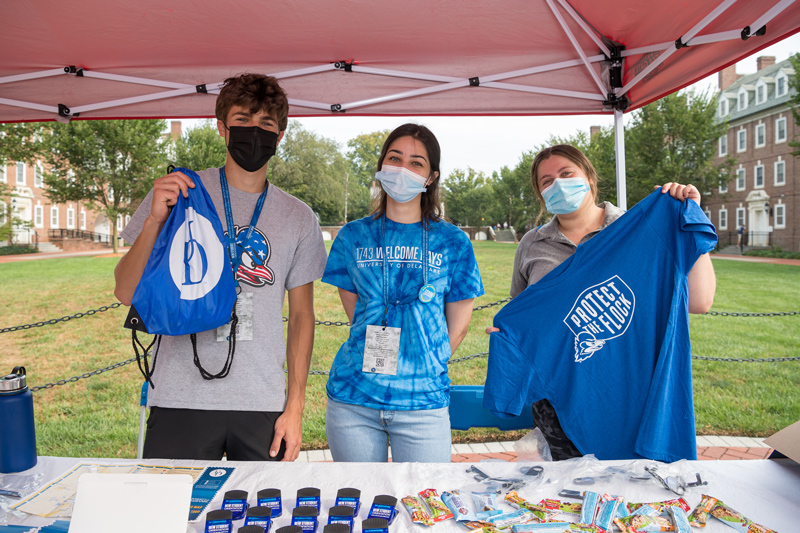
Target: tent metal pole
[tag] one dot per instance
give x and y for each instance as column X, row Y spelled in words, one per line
column 484, row 79
column 33, row 75
column 585, row 27
column 29, row 105
column 619, row 151
column 308, row 103
column 133, row 100
column 576, row 46
column 685, row 38
column 133, row 79
column 465, row 83
column 544, row 90
column 771, row 14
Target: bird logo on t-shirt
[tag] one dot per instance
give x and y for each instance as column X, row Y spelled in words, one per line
column 253, row 258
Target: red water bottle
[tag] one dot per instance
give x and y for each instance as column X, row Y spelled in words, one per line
column 17, row 433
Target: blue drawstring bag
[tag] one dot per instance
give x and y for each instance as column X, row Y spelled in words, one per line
column 187, row 285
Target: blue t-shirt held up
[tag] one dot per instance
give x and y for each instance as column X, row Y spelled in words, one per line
column 355, row 264
column 605, row 337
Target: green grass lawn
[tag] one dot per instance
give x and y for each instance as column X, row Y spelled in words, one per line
column 99, row 416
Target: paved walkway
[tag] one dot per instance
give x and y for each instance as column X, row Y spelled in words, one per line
column 708, row 449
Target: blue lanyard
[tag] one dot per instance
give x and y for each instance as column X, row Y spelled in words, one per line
column 386, row 265
column 226, row 201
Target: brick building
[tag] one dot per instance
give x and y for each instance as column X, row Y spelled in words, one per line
column 69, row 226
column 29, row 204
column 762, row 194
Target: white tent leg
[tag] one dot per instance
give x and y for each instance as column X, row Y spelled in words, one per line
column 619, row 149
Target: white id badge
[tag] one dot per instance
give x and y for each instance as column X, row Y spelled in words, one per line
column 381, row 350
column 244, row 329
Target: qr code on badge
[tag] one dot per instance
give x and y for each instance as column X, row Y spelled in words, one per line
column 380, row 362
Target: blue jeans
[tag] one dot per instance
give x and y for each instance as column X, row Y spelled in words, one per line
column 362, row 434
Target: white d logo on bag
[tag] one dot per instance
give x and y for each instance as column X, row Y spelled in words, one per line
column 196, row 257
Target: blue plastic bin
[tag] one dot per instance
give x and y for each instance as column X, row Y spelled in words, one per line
column 467, row 411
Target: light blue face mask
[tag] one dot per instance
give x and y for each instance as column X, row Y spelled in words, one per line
column 400, row 183
column 565, row 195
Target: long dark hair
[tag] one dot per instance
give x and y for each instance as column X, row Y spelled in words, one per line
column 429, row 202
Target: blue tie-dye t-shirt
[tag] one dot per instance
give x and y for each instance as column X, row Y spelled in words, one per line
column 355, row 264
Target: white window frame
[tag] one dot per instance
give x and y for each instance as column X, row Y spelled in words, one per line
column 83, row 219
column 38, row 175
column 723, row 188
column 760, row 133
column 779, row 216
column 761, row 92
column 723, row 218
column 778, row 122
column 723, row 106
column 3, row 171
column 741, row 179
column 741, row 140
column 741, row 216
column 21, row 165
column 758, row 169
column 3, row 207
column 54, row 215
column 781, row 77
column 70, row 218
column 119, row 222
column 779, row 169
column 741, row 103
column 723, row 145
column 38, row 216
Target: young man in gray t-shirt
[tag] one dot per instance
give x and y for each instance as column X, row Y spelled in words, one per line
column 251, row 414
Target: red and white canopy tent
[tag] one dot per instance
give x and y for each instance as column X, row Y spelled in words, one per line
column 93, row 59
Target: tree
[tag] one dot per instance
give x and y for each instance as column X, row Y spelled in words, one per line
column 794, row 83
column 109, row 165
column 514, row 199
column 20, row 142
column 468, row 198
column 311, row 168
column 17, row 143
column 675, row 139
column 200, row 148
column 363, row 152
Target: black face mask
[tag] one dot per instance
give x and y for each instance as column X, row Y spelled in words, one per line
column 250, row 146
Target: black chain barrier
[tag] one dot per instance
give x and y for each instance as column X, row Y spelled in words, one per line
column 90, row 312
column 339, row 323
column 83, row 376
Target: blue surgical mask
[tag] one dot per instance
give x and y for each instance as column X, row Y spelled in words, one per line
column 565, row 195
column 400, row 183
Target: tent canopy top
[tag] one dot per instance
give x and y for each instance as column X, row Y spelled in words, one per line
column 166, row 58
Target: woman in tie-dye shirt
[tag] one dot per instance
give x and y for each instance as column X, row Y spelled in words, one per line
column 407, row 280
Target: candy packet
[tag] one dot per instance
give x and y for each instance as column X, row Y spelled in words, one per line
column 459, row 506
column 699, row 516
column 485, row 504
column 516, row 501
column 415, row 508
column 439, row 510
column 737, row 520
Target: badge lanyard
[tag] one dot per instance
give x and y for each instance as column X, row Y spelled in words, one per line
column 426, row 292
column 226, row 201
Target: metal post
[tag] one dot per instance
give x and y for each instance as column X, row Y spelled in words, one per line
column 619, row 149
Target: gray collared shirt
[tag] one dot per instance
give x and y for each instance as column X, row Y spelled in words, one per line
column 544, row 248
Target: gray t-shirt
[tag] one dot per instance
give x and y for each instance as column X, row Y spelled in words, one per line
column 291, row 254
column 544, row 248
